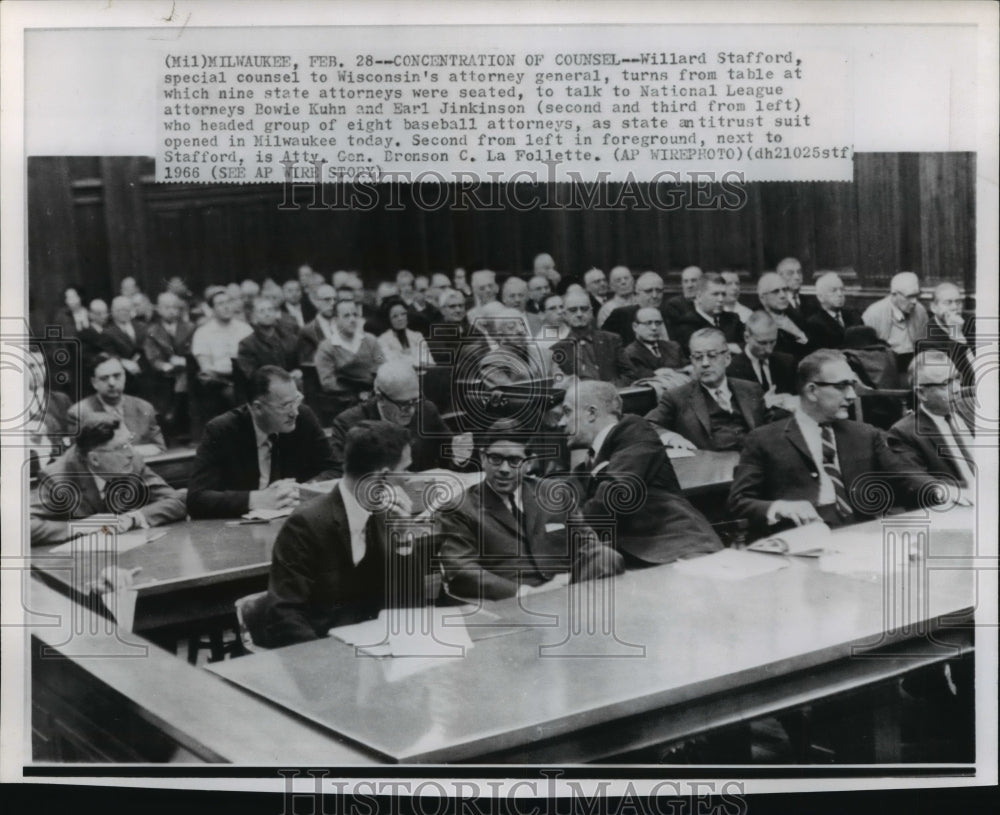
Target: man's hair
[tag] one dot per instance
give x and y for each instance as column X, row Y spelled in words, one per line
column 758, row 321
column 603, row 395
column 339, row 303
column 507, row 429
column 371, row 445
column 827, row 277
column 709, row 279
column 707, row 333
column 812, row 364
column 549, row 296
column 925, row 360
column 100, row 359
column 261, row 379
column 941, row 287
column 95, row 430
column 212, row 297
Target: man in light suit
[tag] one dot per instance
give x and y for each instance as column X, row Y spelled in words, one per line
column 108, row 381
column 818, row 464
column 328, row 566
column 254, row 456
column 495, row 544
column 899, row 319
column 101, row 475
column 628, row 480
column 938, row 438
column 713, row 412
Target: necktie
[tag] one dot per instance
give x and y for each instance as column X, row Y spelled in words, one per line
column 715, row 319
column 795, row 301
column 722, row 398
column 956, row 432
column 518, row 515
column 833, row 472
column 591, row 459
column 272, row 445
column 840, row 317
column 764, row 381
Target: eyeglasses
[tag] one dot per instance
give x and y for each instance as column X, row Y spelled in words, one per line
column 514, row 462
column 408, row 404
column 578, row 309
column 121, row 448
column 913, row 297
column 782, row 290
column 711, row 356
column 843, row 387
column 653, row 323
column 649, row 291
column 291, row 404
column 946, row 384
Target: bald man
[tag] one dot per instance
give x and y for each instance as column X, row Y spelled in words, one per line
column 773, row 293
column 484, row 291
column 588, row 352
column 676, row 307
column 538, row 289
column 825, row 327
column 949, row 332
column 544, row 265
column 899, row 319
column 596, row 284
column 622, row 286
column 648, row 294
column 514, row 294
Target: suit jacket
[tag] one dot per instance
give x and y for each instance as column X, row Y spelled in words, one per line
column 879, row 316
column 428, row 435
column 677, row 307
column 645, row 364
column 54, row 420
column 660, row 526
column 92, row 343
column 159, row 345
column 620, row 322
column 685, row 410
column 485, row 555
column 69, row 476
column 921, row 449
column 226, row 471
column 121, row 344
column 776, row 464
column 256, row 350
column 314, row 583
column 685, row 325
column 310, row 336
column 609, row 357
column 139, row 417
column 808, row 304
column 825, row 332
column 782, row 366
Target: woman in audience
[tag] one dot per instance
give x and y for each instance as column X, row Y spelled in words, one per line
column 73, row 317
column 399, row 341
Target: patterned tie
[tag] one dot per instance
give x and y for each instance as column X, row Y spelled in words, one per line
column 723, row 400
column 834, row 474
column 956, row 433
column 518, row 515
column 272, row 445
column 840, row 318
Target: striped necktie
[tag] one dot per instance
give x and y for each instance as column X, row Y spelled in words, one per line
column 832, row 470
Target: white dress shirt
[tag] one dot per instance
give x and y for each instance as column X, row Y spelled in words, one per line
column 954, row 451
column 357, row 519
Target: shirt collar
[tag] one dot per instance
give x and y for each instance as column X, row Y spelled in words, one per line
column 898, row 315
column 117, row 410
column 258, row 433
column 807, row 422
column 708, row 317
column 722, row 386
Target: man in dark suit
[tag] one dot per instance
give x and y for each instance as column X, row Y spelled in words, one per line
column 772, row 291
column 397, row 400
column 790, row 271
column 648, row 294
column 826, row 325
column 648, row 353
column 125, row 339
column 253, row 456
column 167, row 346
column 596, row 284
column 93, row 338
column 712, row 412
column 269, row 344
column 321, row 327
column 501, row 542
column 818, row 464
column 109, row 397
column 948, row 332
column 707, row 312
column 682, row 304
column 938, row 438
column 628, row 481
column 328, row 566
column 588, row 352
column 101, row 475
column 760, row 363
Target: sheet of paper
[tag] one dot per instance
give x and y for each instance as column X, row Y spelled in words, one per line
column 679, row 452
column 809, row 540
column 268, row 514
column 730, row 564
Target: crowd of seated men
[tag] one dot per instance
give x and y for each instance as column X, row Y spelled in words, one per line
column 311, row 379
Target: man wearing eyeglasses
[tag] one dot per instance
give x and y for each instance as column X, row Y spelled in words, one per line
column 649, row 353
column 101, row 474
column 773, row 293
column 818, row 464
column 712, row 412
column 254, row 456
column 899, row 319
column 588, row 352
column 938, row 437
column 505, row 539
column 648, row 294
column 397, row 400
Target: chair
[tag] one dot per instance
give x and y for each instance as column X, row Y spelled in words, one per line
column 638, row 400
column 250, row 618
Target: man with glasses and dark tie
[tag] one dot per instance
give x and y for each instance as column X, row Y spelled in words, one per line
column 588, row 352
column 505, row 539
column 254, row 456
column 101, row 474
column 648, row 294
column 712, row 412
column 649, row 352
column 938, row 437
column 397, row 399
column 773, row 293
column 899, row 319
column 815, row 465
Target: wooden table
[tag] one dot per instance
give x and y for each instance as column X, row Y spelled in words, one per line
column 676, row 655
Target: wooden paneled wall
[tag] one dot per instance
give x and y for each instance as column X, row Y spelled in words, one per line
column 94, row 221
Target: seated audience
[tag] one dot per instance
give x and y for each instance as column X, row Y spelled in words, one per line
column 596, row 284
column 899, row 319
column 826, row 325
column 328, row 566
column 706, row 312
column 588, row 352
column 622, row 286
column 772, row 291
column 216, row 343
column 484, row 290
column 513, row 356
column 109, row 398
column 649, row 353
column 268, row 344
column 397, row 400
column 254, row 456
column 500, row 542
column 648, row 294
column 713, row 411
column 125, row 338
column 422, row 313
column 101, row 475
column 93, row 337
column 294, row 305
column 399, row 342
column 938, row 438
column 554, row 327
column 514, row 295
column 659, row 526
column 818, row 464
column 346, row 362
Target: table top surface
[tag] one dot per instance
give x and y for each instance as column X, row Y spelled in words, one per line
column 660, row 637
